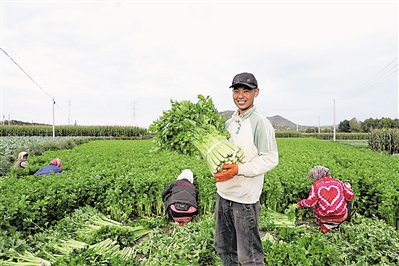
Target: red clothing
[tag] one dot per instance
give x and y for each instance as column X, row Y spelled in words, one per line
column 328, row 197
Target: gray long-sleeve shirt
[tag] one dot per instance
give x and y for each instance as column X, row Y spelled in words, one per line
column 255, row 135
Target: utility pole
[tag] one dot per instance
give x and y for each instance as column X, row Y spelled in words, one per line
column 53, row 119
column 319, row 124
column 334, row 120
column 134, row 114
column 69, row 112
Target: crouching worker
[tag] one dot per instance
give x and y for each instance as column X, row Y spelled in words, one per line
column 180, row 198
column 328, row 197
column 53, row 168
column 22, row 160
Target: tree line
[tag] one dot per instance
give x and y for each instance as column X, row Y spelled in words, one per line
column 367, row 125
column 356, row 126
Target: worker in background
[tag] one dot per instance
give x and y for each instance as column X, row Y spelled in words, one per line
column 180, row 198
column 53, row 168
column 328, row 197
column 22, row 160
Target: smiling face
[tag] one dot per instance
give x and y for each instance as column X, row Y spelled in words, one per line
column 244, row 97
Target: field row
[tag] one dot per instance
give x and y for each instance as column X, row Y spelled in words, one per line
column 124, row 180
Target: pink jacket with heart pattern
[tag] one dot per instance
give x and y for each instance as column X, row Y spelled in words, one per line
column 328, row 197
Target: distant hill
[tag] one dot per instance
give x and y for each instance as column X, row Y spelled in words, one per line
column 281, row 123
column 278, row 122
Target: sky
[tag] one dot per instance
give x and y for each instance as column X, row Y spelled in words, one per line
column 122, row 62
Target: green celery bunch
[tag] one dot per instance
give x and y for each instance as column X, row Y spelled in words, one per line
column 279, row 219
column 27, row 258
column 175, row 128
column 196, row 129
column 216, row 149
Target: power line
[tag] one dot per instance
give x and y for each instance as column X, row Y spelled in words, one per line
column 59, row 108
column 26, row 73
column 52, row 98
column 391, row 75
column 372, row 84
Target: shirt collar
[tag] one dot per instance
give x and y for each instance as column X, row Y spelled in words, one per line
column 246, row 114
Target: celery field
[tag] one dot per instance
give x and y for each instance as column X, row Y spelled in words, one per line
column 106, row 208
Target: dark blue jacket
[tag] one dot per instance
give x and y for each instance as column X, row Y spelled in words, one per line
column 48, row 170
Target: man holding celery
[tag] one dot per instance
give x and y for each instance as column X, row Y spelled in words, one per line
column 239, row 186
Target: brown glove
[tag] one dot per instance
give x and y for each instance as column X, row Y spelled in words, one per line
column 232, row 170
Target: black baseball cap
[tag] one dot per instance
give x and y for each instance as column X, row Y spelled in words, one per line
column 246, row 79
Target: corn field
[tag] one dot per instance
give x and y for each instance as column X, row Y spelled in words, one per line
column 72, row 131
column 384, row 140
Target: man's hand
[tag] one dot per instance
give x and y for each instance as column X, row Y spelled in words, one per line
column 231, row 171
